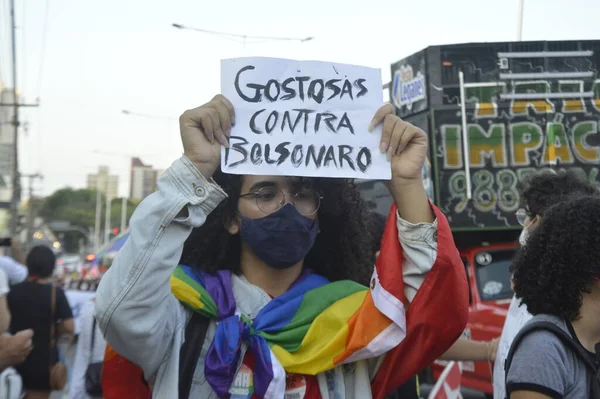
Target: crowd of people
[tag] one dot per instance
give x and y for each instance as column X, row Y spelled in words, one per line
column 248, row 286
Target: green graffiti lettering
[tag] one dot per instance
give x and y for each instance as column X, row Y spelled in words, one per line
column 557, row 145
column 490, row 144
column 519, row 107
column 596, row 91
column 485, row 99
column 452, row 142
column 525, row 137
column 457, row 185
column 582, row 150
column 507, row 190
column 485, row 197
column 572, row 86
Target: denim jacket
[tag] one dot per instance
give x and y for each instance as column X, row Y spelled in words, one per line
column 145, row 323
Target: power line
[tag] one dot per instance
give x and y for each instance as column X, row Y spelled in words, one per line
column 243, row 38
column 132, row 113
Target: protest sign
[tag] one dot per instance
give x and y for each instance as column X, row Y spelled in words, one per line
column 303, row 118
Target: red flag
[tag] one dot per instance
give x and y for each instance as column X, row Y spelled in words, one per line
column 122, row 378
column 436, row 317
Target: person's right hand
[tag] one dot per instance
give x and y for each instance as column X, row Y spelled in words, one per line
column 14, row 349
column 204, row 130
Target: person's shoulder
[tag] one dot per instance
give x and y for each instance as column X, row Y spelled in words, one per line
column 541, row 346
column 543, row 337
column 541, row 362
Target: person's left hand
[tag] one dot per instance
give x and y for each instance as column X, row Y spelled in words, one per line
column 405, row 144
column 14, row 349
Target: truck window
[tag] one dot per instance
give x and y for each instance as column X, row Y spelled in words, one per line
column 493, row 275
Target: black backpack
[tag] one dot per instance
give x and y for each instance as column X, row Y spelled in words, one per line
column 195, row 332
column 569, row 343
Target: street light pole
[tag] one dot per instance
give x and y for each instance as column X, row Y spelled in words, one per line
column 123, row 214
column 98, row 215
column 107, row 218
column 520, row 20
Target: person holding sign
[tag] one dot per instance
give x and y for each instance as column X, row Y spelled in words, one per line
column 252, row 278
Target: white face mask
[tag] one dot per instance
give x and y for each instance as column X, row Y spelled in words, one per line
column 523, row 237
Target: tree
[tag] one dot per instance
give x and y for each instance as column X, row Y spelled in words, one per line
column 78, row 208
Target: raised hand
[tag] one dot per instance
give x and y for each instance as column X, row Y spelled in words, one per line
column 204, row 130
column 404, row 143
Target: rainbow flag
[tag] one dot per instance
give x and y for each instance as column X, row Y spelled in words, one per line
column 318, row 325
column 313, row 327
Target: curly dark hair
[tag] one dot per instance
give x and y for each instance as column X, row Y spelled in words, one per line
column 376, row 228
column 342, row 249
column 561, row 260
column 541, row 190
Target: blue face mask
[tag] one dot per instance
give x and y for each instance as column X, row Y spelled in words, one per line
column 281, row 239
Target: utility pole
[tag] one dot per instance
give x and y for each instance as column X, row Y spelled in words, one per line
column 16, row 183
column 107, row 217
column 16, row 179
column 98, row 213
column 32, row 208
column 123, row 214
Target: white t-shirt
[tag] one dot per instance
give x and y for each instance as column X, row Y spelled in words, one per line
column 3, row 283
column 15, row 272
column 516, row 318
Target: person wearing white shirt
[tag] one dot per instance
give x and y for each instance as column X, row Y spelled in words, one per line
column 15, row 271
column 85, row 353
column 4, row 312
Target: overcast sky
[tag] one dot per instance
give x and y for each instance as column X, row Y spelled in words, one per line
column 105, row 56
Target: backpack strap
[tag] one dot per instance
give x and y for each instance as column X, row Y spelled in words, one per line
column 195, row 333
column 565, row 338
column 93, row 339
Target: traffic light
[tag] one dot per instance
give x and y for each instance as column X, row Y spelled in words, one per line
column 115, row 231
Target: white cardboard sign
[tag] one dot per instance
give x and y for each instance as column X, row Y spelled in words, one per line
column 303, row 118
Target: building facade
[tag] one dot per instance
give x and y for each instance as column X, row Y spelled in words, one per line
column 104, row 182
column 142, row 179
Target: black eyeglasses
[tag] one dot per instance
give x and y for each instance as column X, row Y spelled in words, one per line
column 272, row 199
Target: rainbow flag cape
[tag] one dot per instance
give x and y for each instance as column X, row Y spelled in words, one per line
column 313, row 327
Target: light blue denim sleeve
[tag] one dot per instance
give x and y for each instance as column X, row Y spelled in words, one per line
column 419, row 243
column 135, row 309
